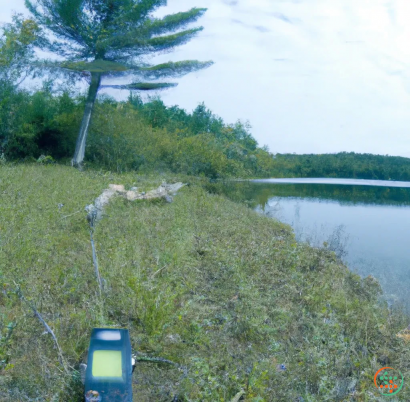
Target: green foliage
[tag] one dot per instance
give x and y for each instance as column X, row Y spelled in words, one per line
column 45, row 160
column 96, row 66
column 130, row 135
column 134, row 135
column 114, row 35
column 39, row 123
column 144, row 86
column 344, row 165
column 204, row 282
column 16, row 48
column 145, row 136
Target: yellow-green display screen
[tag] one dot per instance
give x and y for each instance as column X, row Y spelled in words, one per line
column 107, row 363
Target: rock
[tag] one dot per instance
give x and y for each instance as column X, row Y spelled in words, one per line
column 168, row 198
column 134, row 189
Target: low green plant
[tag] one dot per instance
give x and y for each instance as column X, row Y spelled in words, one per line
column 45, row 160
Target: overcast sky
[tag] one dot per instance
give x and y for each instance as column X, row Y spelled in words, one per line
column 314, row 76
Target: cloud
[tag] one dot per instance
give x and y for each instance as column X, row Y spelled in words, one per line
column 238, row 21
column 391, row 12
column 282, row 17
column 261, row 28
column 314, row 66
column 231, row 2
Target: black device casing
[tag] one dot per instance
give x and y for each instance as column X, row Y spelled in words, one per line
column 112, row 389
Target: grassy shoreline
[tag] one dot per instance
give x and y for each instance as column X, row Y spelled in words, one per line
column 203, row 281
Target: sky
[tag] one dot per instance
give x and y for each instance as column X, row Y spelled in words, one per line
column 317, row 76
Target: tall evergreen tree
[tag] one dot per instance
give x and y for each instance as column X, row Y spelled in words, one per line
column 108, row 38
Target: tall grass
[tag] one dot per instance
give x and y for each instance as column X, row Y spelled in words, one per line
column 203, row 281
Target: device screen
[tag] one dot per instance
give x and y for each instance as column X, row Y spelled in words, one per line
column 107, row 363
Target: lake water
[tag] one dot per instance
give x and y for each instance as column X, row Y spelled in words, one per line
column 366, row 222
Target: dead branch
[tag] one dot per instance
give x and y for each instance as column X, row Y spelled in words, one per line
column 48, row 329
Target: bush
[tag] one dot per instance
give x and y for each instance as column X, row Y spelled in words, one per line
column 39, row 124
column 120, row 140
column 45, row 160
column 129, row 136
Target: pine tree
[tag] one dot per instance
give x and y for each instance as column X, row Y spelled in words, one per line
column 108, row 38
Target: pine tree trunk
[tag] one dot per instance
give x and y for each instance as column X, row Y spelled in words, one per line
column 82, row 136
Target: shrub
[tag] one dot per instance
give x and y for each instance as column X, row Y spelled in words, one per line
column 45, row 160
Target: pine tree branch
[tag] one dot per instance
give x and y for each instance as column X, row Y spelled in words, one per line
column 172, row 22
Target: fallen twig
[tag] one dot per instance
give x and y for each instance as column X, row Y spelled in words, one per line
column 95, row 261
column 157, row 272
column 66, row 216
column 49, row 330
column 154, row 360
column 95, row 212
column 140, row 358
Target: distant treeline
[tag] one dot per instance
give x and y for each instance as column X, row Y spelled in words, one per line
column 343, row 165
column 145, row 136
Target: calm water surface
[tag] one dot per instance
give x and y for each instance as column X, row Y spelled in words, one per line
column 366, row 222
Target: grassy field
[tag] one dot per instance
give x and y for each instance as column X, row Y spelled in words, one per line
column 204, row 282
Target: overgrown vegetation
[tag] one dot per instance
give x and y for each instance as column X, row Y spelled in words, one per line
column 130, row 136
column 203, row 281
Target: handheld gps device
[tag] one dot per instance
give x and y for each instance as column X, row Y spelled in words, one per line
column 108, row 376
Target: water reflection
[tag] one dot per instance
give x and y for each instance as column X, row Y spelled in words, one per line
column 367, row 226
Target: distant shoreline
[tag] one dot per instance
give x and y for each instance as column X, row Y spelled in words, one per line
column 351, row 182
